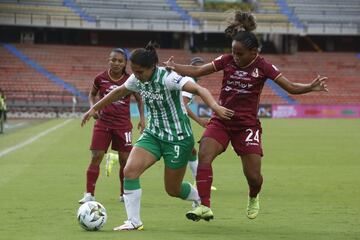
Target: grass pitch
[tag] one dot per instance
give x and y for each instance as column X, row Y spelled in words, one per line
column 311, row 187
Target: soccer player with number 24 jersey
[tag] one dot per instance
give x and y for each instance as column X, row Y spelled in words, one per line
column 245, row 73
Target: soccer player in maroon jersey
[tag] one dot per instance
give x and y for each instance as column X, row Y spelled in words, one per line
column 113, row 123
column 245, row 73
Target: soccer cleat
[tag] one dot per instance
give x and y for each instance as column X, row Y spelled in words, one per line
column 200, row 212
column 253, row 207
column 87, row 198
column 111, row 159
column 121, row 199
column 129, row 226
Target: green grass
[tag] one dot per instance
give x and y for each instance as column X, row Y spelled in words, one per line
column 311, row 187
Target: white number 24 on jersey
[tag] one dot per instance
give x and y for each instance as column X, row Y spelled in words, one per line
column 251, row 136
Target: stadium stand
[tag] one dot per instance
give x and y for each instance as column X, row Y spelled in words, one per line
column 327, row 16
column 23, row 84
column 78, row 66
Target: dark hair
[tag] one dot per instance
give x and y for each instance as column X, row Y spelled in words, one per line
column 241, row 25
column 122, row 51
column 145, row 57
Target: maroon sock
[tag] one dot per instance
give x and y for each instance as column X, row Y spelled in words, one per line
column 121, row 176
column 92, row 175
column 255, row 189
column 204, row 178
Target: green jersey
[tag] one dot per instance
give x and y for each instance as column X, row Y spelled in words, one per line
column 167, row 119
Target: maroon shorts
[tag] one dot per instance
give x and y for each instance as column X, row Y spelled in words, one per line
column 102, row 136
column 245, row 140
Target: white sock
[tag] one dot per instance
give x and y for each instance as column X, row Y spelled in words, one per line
column 193, row 167
column 132, row 204
column 193, row 195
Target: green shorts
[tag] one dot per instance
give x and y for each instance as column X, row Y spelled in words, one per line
column 176, row 154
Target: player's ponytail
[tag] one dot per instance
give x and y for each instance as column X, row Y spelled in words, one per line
column 241, row 25
column 145, row 57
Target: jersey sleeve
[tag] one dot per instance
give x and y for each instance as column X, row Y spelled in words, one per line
column 131, row 83
column 220, row 62
column 187, row 94
column 96, row 83
column 176, row 82
column 271, row 71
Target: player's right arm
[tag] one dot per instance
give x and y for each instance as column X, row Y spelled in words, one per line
column 189, row 70
column 206, row 96
column 92, row 99
column 201, row 121
column 113, row 96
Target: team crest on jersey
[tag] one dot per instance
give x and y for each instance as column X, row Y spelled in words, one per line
column 177, row 79
column 255, row 73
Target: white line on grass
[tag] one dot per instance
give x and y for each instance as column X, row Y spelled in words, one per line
column 33, row 139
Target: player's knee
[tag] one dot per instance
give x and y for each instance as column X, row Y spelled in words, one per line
column 130, row 172
column 205, row 158
column 254, row 179
column 96, row 158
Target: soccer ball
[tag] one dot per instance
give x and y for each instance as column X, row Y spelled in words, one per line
column 92, row 216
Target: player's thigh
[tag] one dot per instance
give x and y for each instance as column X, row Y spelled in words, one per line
column 101, row 138
column 177, row 154
column 214, row 141
column 139, row 160
column 121, row 140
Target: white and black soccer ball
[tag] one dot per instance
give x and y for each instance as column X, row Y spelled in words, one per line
column 92, row 216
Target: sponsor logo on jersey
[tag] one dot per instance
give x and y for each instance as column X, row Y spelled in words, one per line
column 240, row 75
column 151, row 95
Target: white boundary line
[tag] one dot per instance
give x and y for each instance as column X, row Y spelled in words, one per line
column 33, row 139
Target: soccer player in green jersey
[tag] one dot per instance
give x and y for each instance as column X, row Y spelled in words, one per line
column 168, row 133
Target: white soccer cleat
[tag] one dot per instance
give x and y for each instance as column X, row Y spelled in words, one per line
column 121, row 199
column 87, row 198
column 129, row 226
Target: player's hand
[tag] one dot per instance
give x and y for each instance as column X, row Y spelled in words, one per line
column 87, row 116
column 224, row 113
column 170, row 64
column 203, row 122
column 319, row 84
column 96, row 115
column 141, row 125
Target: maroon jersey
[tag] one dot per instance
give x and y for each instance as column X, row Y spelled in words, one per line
column 117, row 114
column 241, row 88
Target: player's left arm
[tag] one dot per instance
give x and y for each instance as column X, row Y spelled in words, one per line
column 196, row 89
column 318, row 84
column 113, row 96
column 140, row 104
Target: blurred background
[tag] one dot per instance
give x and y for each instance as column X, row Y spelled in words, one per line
column 51, row 50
